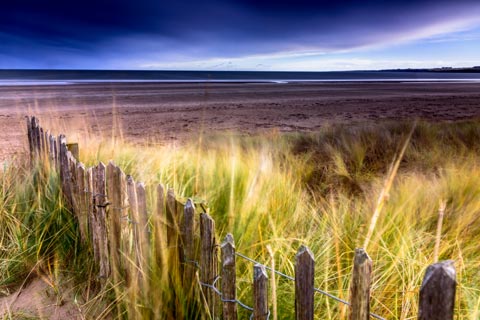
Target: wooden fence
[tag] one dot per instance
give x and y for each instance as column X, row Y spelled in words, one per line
column 104, row 200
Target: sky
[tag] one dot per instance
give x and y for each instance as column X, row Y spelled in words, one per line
column 290, row 35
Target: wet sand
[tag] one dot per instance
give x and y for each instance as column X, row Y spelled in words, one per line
column 164, row 112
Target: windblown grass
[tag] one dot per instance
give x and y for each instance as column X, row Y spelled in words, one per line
column 280, row 191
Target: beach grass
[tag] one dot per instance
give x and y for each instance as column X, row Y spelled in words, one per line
column 273, row 192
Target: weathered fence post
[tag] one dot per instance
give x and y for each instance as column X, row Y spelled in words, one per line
column 360, row 286
column 133, row 206
column 437, row 293
column 172, row 223
column 229, row 279
column 208, row 261
column 188, row 242
column 141, row 222
column 260, row 296
column 30, row 137
column 159, row 222
column 92, row 211
column 304, row 284
column 115, row 187
column 82, row 202
column 42, row 143
column 53, row 151
column 99, row 227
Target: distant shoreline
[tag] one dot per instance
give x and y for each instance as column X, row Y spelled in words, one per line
column 68, row 77
column 20, row 83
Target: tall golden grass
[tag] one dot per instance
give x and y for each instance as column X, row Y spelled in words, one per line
column 275, row 192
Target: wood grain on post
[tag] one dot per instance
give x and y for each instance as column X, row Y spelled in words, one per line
column 208, row 261
column 100, row 227
column 35, row 137
column 188, row 243
column 52, row 144
column 172, row 224
column 437, row 293
column 260, row 295
column 65, row 173
column 72, row 182
column 47, row 145
column 82, row 202
column 360, row 286
column 229, row 279
column 29, row 136
column 115, row 211
column 92, row 211
column 142, row 223
column 133, row 206
column 304, row 281
column 159, row 227
column 42, row 143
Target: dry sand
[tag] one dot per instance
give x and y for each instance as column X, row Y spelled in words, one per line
column 164, row 112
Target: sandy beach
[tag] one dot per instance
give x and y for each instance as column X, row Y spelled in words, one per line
column 163, row 112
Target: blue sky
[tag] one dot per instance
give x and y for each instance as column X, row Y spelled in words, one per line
column 239, row 34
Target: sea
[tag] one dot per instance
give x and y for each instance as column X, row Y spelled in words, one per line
column 66, row 77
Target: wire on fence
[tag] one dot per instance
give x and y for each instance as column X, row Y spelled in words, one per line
column 373, row 315
column 218, row 292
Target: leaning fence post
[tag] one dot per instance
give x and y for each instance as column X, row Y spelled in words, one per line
column 437, row 293
column 260, row 296
column 229, row 290
column 304, row 280
column 208, row 261
column 360, row 286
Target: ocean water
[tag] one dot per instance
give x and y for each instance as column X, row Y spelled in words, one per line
column 65, row 77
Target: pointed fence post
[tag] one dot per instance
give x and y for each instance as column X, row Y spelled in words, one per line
column 260, row 296
column 208, row 262
column 360, row 286
column 229, row 279
column 304, row 281
column 437, row 293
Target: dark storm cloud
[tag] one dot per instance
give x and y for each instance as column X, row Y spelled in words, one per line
column 55, row 31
